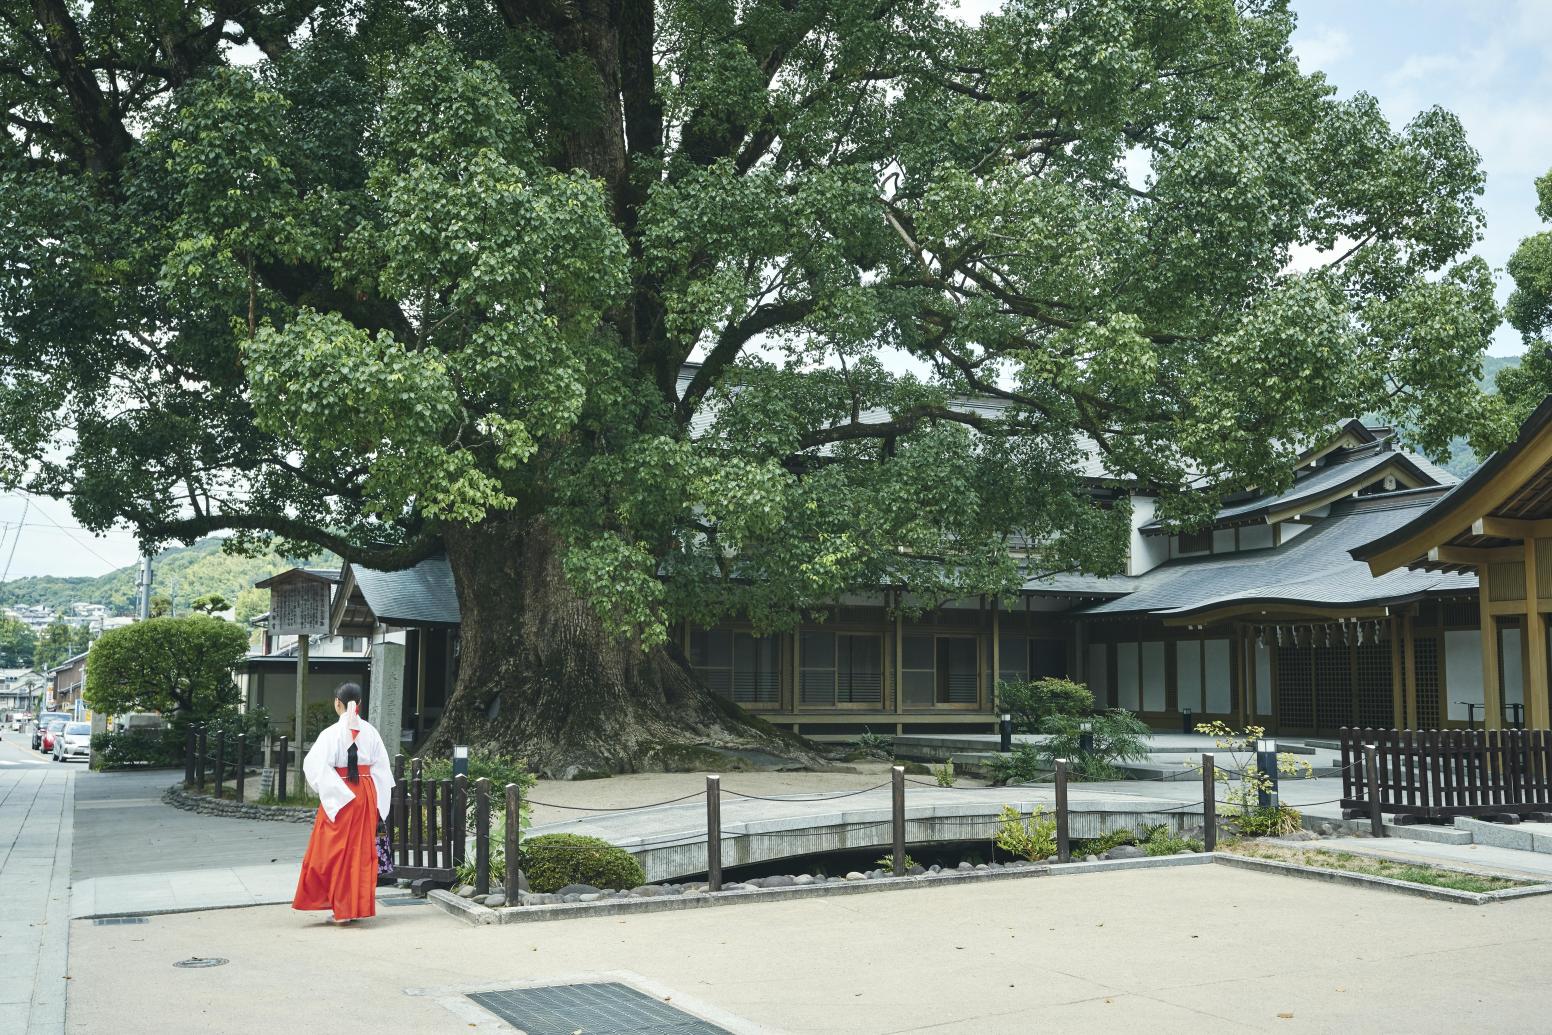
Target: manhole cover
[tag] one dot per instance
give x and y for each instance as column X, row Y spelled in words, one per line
column 201, row 961
column 117, row 921
column 597, row 1009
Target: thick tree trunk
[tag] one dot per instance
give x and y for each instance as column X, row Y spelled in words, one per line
column 540, row 678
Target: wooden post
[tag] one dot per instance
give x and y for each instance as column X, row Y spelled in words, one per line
column 301, row 690
column 1398, row 709
column 417, row 813
column 433, row 842
column 1063, row 840
column 449, row 823
column 1409, row 664
column 897, row 817
column 191, row 744
column 399, row 817
column 1492, row 693
column 220, row 761
column 280, row 776
column 713, row 833
column 199, row 757
column 1536, row 703
column 514, row 816
column 242, row 758
column 460, row 818
column 482, row 836
column 1371, row 764
column 1209, row 803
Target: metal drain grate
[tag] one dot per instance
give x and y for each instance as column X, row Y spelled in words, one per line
column 597, row 1009
column 117, row 921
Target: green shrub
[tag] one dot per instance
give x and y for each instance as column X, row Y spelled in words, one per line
column 552, row 861
column 138, row 749
column 1104, row 842
column 500, row 770
column 1270, row 822
column 1025, row 764
column 944, row 773
column 887, row 864
column 1114, row 736
column 874, row 745
column 1031, row 703
column 1164, row 843
column 1033, row 838
column 253, row 724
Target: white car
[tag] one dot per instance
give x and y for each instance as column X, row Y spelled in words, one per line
column 74, row 741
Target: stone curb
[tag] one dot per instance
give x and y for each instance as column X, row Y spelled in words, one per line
column 1469, row 898
column 470, row 913
column 205, row 805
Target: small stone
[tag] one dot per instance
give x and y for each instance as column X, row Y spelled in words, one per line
column 935, row 868
column 803, row 880
column 780, row 881
column 736, row 886
column 480, row 900
column 854, row 875
column 571, row 898
column 649, row 891
column 875, row 874
column 756, row 882
column 1327, row 830
column 965, row 866
column 916, row 870
column 1091, row 858
column 496, row 901
column 593, row 897
column 980, row 866
column 465, row 891
column 579, row 889
column 1301, row 835
column 1126, row 852
column 692, row 892
column 1052, row 858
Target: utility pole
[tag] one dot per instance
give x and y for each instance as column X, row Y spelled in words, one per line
column 145, row 587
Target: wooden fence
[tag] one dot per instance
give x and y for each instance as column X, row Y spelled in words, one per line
column 426, row 823
column 1438, row 774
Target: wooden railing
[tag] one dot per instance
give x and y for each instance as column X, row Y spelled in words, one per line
column 1437, row 774
column 426, row 823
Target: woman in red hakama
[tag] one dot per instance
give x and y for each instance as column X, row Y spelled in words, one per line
column 348, row 767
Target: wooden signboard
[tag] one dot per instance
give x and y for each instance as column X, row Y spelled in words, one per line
column 299, row 608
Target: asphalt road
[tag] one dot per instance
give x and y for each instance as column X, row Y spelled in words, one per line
column 122, row 827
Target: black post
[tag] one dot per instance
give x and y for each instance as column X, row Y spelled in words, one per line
column 713, row 833
column 1266, row 764
column 482, row 836
column 514, row 817
column 280, row 777
column 1209, row 804
column 190, row 746
column 897, row 817
column 1005, row 729
column 1185, row 720
column 1371, row 763
column 460, row 818
column 199, row 757
column 1063, row 836
column 242, row 758
column 220, row 761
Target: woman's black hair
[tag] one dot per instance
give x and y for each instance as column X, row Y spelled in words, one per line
column 348, row 694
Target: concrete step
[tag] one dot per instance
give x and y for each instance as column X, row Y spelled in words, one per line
column 1524, row 837
column 1431, row 834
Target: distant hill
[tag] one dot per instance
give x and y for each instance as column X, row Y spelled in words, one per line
column 183, row 573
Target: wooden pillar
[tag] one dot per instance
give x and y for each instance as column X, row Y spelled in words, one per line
column 1492, row 695
column 1538, row 715
column 1409, row 663
column 1398, row 705
column 899, row 652
column 996, row 649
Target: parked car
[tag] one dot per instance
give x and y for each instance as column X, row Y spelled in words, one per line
column 17, row 718
column 42, row 724
column 51, row 733
column 73, row 741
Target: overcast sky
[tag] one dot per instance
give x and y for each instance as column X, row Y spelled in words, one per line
column 1485, row 60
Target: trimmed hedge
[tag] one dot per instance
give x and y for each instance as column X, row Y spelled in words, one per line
column 138, row 749
column 552, row 861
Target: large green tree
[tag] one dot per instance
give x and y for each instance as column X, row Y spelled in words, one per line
column 58, row 641
column 180, row 667
column 393, row 278
column 1523, row 387
column 17, row 643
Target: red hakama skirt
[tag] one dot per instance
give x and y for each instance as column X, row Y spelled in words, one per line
column 339, row 871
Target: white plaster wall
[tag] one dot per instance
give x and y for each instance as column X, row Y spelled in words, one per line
column 1126, row 677
column 1255, row 537
column 1223, row 540
column 1147, row 551
column 1513, row 674
column 1291, row 530
column 1153, row 677
column 1215, row 668
column 1463, row 669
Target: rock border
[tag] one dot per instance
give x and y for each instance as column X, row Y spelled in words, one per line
column 475, row 914
column 1369, row 880
column 205, row 805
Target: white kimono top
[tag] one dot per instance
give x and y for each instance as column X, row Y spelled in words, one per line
column 328, row 754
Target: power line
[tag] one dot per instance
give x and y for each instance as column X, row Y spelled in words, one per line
column 26, row 504
column 74, row 538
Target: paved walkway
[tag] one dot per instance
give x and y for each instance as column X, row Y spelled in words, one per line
column 1201, row 949
column 36, row 800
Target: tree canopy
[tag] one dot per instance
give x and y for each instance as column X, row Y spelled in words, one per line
column 58, row 641
column 17, row 643
column 699, row 290
column 180, row 667
column 1530, row 312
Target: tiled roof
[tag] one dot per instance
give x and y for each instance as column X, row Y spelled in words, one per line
column 422, row 595
column 1313, row 568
